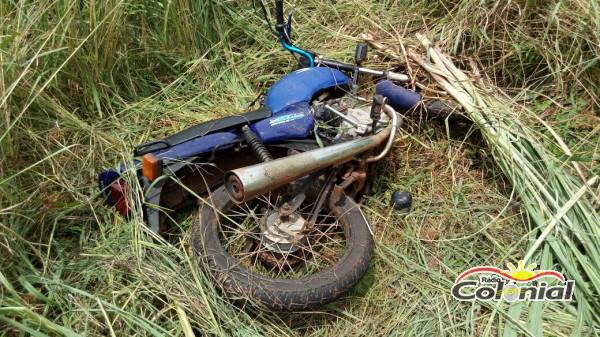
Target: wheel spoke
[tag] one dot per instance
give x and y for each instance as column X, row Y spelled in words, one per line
column 320, row 244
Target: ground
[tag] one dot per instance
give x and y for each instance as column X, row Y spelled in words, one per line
column 82, row 82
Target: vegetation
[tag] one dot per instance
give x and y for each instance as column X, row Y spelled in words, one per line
column 82, row 82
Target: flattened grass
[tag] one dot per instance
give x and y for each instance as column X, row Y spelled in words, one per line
column 83, row 82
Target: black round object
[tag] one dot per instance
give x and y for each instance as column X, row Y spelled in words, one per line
column 292, row 294
column 401, row 200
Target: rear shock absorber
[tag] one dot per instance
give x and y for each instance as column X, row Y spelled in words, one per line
column 259, row 149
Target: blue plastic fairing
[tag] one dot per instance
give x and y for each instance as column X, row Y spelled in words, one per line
column 301, row 86
column 292, row 122
column 288, row 99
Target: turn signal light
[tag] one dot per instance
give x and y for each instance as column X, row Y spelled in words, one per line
column 151, row 166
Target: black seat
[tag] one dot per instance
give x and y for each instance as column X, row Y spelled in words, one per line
column 203, row 129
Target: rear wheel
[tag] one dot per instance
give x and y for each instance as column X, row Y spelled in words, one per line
column 284, row 260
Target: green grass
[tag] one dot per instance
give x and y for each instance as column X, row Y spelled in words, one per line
column 82, row 82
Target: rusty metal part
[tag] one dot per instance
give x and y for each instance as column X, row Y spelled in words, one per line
column 341, row 115
column 245, row 183
column 321, row 198
column 279, row 262
column 291, row 206
column 336, row 196
column 359, row 176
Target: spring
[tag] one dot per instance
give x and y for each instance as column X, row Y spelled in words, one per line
column 259, row 149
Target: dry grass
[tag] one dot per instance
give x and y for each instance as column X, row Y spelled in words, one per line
column 83, row 82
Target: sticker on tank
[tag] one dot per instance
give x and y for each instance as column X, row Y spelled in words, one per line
column 285, row 118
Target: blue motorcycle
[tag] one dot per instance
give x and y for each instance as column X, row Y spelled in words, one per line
column 278, row 223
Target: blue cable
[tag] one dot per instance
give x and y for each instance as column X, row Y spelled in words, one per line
column 294, row 49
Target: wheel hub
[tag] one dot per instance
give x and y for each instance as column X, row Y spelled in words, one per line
column 282, row 234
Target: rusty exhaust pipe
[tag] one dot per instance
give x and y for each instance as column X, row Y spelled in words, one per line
column 248, row 182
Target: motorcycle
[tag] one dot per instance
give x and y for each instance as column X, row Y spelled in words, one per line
column 278, row 221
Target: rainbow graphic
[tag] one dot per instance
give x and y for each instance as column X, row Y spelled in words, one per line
column 520, row 274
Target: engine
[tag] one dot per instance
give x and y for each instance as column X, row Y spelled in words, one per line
column 346, row 118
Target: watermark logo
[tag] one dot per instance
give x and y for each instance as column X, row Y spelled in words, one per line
column 522, row 283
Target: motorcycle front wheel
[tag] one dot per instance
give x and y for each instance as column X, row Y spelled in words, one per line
column 284, row 263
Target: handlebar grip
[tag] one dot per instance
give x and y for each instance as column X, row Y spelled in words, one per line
column 398, row 97
column 397, row 77
column 337, row 65
column 279, row 12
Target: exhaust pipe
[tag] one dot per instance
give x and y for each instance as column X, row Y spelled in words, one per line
column 246, row 183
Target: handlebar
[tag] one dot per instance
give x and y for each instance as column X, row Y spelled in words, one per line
column 279, row 17
column 390, row 75
column 285, row 40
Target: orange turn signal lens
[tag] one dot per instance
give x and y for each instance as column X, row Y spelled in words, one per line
column 151, row 166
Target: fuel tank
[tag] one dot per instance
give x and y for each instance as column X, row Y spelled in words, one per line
column 302, row 85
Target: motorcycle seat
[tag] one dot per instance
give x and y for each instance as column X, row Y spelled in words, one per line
column 203, row 129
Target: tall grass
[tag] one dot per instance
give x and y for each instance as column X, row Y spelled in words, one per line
column 558, row 201
column 81, row 82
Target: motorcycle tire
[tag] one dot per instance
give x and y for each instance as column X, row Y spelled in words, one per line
column 295, row 294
